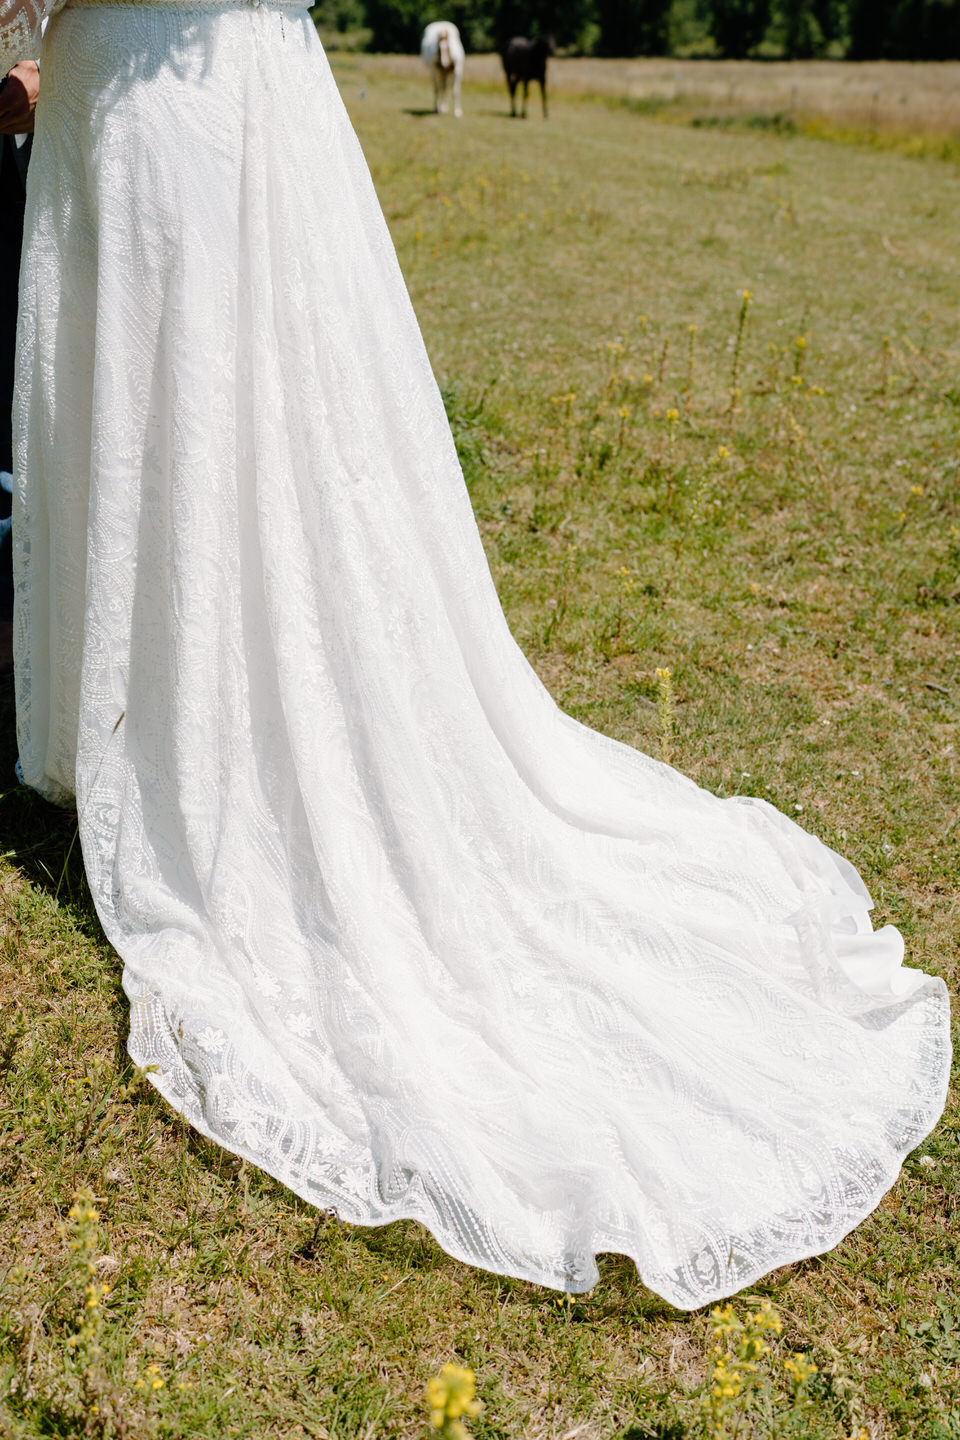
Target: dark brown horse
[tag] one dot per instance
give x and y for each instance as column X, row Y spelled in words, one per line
column 526, row 60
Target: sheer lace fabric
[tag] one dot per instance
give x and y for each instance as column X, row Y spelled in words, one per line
column 393, row 926
column 21, row 23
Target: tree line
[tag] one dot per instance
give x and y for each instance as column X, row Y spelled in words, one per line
column 797, row 29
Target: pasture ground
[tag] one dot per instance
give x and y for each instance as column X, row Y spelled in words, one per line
column 777, row 520
column 910, row 105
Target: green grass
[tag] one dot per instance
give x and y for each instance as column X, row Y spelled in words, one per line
column 805, row 593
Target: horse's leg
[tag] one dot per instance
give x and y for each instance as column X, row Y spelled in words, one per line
column 436, row 91
column 526, row 88
column 512, row 87
column 543, row 93
column 457, row 75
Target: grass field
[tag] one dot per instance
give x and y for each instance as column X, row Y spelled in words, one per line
column 762, row 496
column 911, row 107
column 878, row 97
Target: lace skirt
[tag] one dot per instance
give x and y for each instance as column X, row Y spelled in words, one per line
column 393, row 927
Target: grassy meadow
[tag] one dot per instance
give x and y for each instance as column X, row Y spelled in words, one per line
column 760, row 495
column 881, row 101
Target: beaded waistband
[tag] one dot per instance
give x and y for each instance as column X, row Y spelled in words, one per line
column 199, row 4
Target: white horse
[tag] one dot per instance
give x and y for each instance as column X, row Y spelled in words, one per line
column 441, row 50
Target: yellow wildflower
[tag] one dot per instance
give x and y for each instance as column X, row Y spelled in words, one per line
column 767, row 1318
column 450, row 1395
column 727, row 1382
column 724, row 1321
column 799, row 1369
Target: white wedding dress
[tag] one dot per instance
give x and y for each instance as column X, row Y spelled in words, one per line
column 393, row 927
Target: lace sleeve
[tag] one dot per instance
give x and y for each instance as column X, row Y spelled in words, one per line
column 21, row 26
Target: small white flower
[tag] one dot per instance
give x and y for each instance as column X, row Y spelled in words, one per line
column 928, row 1162
column 264, row 981
column 924, row 1379
column 354, row 1182
column 212, row 1041
column 395, row 623
column 799, row 809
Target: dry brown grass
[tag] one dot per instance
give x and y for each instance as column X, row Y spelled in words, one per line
column 922, row 97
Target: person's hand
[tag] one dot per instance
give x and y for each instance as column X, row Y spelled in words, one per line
column 18, row 99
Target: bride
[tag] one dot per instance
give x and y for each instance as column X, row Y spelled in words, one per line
column 393, row 926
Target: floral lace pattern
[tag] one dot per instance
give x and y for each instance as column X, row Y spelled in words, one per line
column 393, row 926
column 21, row 23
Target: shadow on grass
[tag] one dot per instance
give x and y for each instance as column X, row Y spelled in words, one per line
column 40, row 839
column 42, row 844
column 490, row 114
column 669, row 1431
column 46, row 1417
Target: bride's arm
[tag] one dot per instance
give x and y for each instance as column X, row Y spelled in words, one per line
column 21, row 26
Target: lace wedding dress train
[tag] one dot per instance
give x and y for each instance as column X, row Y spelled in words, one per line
column 393, row 927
